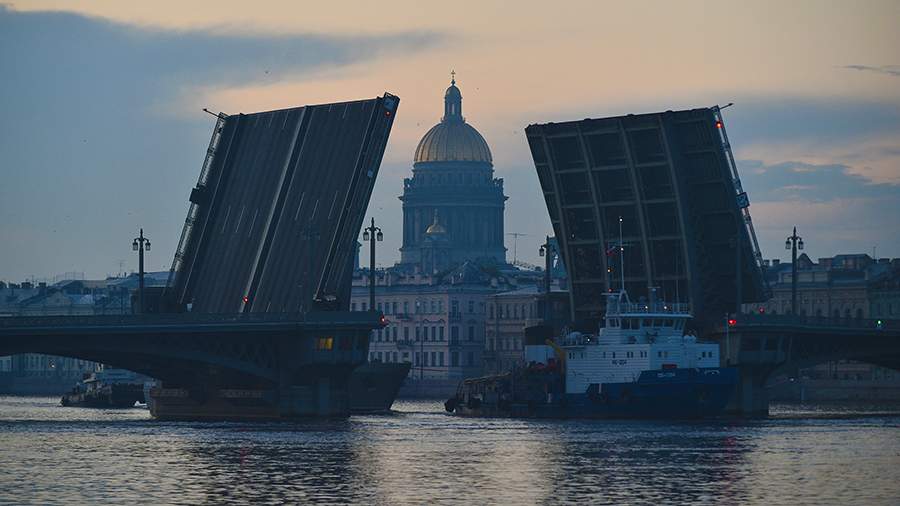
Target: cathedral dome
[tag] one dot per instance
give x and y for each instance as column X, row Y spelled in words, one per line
column 453, row 140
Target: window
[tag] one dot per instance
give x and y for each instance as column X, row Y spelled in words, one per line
column 454, row 307
column 471, row 306
column 648, row 323
column 433, row 358
column 394, row 307
column 325, row 343
column 405, row 307
column 614, row 354
column 441, row 333
column 406, row 333
column 379, row 306
column 470, row 359
column 491, row 311
column 471, row 335
column 418, row 332
column 454, row 359
column 378, row 355
column 364, row 306
column 417, row 359
column 434, row 333
column 395, row 356
column 352, row 306
column 394, row 334
column 657, row 323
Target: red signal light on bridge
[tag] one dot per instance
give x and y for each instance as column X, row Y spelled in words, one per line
column 732, row 322
column 718, row 124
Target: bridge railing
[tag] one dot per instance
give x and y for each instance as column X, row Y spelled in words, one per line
column 9, row 322
column 815, row 321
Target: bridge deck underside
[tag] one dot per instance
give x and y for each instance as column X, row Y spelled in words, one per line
column 667, row 177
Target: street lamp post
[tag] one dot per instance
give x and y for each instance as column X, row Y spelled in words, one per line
column 546, row 252
column 371, row 234
column 793, row 243
column 140, row 244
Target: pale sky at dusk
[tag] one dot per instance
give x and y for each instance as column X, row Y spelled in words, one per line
column 102, row 130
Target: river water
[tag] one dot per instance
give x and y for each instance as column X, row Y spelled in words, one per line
column 418, row 455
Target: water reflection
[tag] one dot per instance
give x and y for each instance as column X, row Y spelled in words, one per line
column 60, row 455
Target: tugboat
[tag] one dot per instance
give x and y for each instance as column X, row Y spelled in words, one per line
column 639, row 365
column 106, row 388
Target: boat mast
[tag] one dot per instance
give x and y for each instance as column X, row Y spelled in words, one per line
column 621, row 255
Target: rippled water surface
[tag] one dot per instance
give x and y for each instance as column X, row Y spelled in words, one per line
column 803, row 455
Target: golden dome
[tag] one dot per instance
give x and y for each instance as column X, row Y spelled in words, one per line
column 453, row 140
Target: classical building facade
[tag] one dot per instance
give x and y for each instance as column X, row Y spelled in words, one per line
column 509, row 314
column 842, row 286
column 452, row 205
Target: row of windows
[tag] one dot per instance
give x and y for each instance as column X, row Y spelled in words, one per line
column 456, row 178
column 512, row 311
column 432, row 333
column 636, row 323
column 388, row 356
column 505, row 344
column 420, row 307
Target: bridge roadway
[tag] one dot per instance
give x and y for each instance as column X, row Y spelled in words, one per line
column 214, row 366
column 765, row 345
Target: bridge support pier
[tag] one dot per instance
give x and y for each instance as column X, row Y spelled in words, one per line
column 750, row 398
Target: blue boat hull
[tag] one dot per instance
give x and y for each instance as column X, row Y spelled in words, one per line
column 663, row 394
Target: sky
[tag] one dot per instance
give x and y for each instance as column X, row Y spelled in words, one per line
column 102, row 130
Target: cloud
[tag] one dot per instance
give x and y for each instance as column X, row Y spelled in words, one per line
column 890, row 70
column 91, row 149
column 800, row 181
column 836, row 210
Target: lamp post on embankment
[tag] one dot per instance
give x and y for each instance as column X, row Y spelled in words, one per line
column 140, row 244
column 371, row 234
column 793, row 243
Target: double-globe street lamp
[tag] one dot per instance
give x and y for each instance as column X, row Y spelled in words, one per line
column 793, row 243
column 371, row 234
column 141, row 244
column 546, row 251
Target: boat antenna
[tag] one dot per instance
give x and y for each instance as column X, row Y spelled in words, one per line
column 621, row 255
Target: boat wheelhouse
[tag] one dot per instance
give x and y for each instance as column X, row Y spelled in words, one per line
column 637, row 337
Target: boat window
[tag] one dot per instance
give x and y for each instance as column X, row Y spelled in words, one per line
column 659, row 354
column 604, row 354
column 679, row 324
column 648, row 322
column 657, row 323
column 614, row 354
column 669, row 322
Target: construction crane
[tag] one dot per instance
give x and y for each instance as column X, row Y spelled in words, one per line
column 516, row 236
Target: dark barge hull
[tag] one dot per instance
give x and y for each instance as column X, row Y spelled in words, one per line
column 659, row 394
column 374, row 386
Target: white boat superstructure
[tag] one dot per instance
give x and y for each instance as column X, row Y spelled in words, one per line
column 636, row 337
